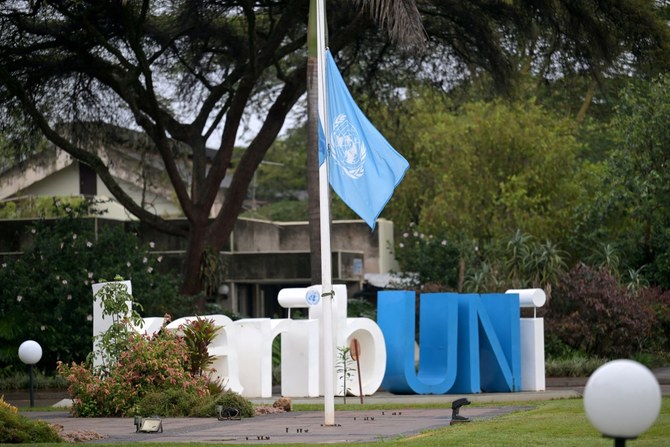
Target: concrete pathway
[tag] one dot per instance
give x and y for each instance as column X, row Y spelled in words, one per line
column 307, row 427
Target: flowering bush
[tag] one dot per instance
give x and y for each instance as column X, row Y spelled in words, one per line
column 46, row 293
column 429, row 260
column 151, row 364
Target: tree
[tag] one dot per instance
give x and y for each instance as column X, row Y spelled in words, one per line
column 637, row 200
column 488, row 169
column 181, row 72
column 189, row 73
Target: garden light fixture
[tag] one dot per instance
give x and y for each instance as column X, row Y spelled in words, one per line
column 622, row 399
column 30, row 352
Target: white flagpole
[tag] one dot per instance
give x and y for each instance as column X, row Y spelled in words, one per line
column 324, row 207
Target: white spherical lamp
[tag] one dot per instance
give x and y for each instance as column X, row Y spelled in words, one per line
column 30, row 352
column 622, row 399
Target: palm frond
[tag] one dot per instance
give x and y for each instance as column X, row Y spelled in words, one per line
column 401, row 18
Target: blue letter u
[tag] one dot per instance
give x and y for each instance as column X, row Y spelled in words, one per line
column 438, row 332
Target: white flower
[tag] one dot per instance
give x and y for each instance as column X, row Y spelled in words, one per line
column 4, row 264
column 89, row 317
column 33, row 231
column 89, row 244
column 19, row 298
column 160, row 258
column 144, row 260
column 150, row 269
column 152, row 244
column 68, row 209
column 128, row 264
column 74, row 236
column 444, row 242
column 401, row 245
column 422, row 235
column 405, row 235
column 43, row 328
column 65, row 281
column 416, row 234
column 61, row 245
column 69, row 297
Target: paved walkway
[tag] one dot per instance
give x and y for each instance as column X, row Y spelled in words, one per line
column 307, row 427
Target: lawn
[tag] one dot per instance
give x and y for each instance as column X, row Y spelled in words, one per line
column 556, row 423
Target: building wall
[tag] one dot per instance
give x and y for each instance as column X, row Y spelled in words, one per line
column 262, row 258
column 61, row 183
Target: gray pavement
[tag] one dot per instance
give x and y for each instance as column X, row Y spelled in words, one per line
column 308, row 427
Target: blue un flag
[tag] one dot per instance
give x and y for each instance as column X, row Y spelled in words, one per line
column 364, row 168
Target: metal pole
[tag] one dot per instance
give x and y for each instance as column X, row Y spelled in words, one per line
column 32, row 389
column 324, row 200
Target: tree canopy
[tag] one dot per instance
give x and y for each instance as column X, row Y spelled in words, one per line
column 189, row 73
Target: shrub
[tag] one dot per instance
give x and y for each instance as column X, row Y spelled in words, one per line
column 592, row 313
column 659, row 300
column 169, row 403
column 151, row 364
column 231, row 399
column 435, row 260
column 198, row 335
column 46, row 293
column 15, row 428
column 21, row 381
column 577, row 365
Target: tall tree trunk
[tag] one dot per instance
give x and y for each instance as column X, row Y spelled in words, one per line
column 192, row 283
column 588, row 99
column 312, row 148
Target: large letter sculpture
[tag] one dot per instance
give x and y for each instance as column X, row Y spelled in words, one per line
column 366, row 331
column 468, row 343
column 461, row 349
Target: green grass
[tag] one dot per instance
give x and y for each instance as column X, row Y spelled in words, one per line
column 556, row 423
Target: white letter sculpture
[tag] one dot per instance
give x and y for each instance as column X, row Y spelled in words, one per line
column 242, row 350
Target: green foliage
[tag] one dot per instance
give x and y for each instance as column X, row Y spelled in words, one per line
column 115, row 300
column 17, row 429
column 61, row 261
column 284, row 210
column 487, row 169
column 428, row 259
column 593, row 313
column 20, row 380
column 230, row 399
column 227, row 399
column 576, row 365
column 638, row 196
column 151, row 364
column 212, row 271
column 171, row 402
column 198, row 335
column 361, row 308
column 344, row 368
column 39, row 206
column 283, row 173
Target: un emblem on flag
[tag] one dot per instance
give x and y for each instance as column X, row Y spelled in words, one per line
column 347, row 148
